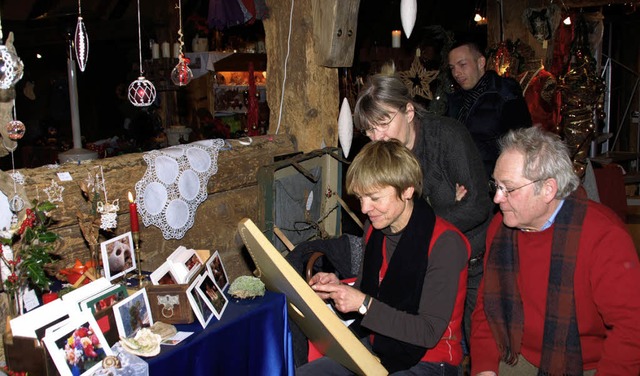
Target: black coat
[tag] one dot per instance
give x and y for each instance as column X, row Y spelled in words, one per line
column 498, row 109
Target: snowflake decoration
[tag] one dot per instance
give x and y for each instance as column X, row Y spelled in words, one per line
column 54, row 192
column 418, row 79
column 17, row 177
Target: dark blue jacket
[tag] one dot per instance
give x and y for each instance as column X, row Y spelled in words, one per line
column 498, row 109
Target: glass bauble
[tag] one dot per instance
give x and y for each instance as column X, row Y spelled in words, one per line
column 142, row 92
column 15, row 129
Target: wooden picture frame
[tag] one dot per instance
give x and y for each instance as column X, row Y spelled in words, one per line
column 216, row 269
column 118, row 256
column 77, row 360
column 198, row 304
column 323, row 327
column 212, row 294
column 133, row 313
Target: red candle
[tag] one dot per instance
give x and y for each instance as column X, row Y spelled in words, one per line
column 133, row 214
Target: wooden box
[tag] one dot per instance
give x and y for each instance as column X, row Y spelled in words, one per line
column 301, row 197
column 169, row 303
column 24, row 354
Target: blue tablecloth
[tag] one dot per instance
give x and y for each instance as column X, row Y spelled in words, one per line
column 252, row 338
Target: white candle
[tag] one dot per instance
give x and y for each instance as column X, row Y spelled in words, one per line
column 176, row 50
column 395, row 38
column 166, row 49
column 155, row 51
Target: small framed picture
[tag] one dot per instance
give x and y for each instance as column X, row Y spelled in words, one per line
column 200, row 307
column 217, row 271
column 186, row 263
column 75, row 297
column 133, row 313
column 164, row 275
column 78, row 346
column 212, row 294
column 105, row 299
column 118, row 256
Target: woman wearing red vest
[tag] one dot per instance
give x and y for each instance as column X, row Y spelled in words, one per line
column 411, row 287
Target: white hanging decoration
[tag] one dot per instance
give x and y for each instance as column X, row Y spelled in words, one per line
column 408, row 14
column 345, row 127
column 108, row 210
column 81, row 41
column 141, row 91
column 11, row 67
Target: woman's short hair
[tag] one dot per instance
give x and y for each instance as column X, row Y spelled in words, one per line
column 384, row 163
column 545, row 156
column 382, row 92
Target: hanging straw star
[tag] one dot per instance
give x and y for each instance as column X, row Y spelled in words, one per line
column 418, row 79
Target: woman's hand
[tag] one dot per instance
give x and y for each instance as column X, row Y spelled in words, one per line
column 461, row 191
column 345, row 298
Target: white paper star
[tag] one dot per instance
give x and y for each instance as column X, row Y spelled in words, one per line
column 54, row 192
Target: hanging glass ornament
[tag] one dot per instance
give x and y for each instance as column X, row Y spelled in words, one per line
column 16, row 204
column 181, row 74
column 81, row 41
column 141, row 91
column 15, row 129
column 11, row 67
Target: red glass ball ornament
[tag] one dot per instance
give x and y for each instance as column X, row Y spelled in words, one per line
column 181, row 74
column 142, row 92
column 15, row 129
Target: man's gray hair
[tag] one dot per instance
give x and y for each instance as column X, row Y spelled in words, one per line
column 545, row 156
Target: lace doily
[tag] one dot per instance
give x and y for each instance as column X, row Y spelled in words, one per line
column 175, row 183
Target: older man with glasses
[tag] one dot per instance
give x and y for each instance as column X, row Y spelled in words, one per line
column 560, row 293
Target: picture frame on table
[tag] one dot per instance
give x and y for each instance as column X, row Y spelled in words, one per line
column 216, row 269
column 71, row 360
column 164, row 275
column 186, row 263
column 198, row 304
column 133, row 313
column 212, row 294
column 105, row 299
column 34, row 323
column 118, row 256
column 75, row 297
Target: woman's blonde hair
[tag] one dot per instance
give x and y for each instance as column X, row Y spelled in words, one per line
column 384, row 163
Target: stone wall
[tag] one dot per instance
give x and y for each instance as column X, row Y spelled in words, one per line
column 233, row 194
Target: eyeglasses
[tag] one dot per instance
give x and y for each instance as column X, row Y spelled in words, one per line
column 494, row 187
column 381, row 127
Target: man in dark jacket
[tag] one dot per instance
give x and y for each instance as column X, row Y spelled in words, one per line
column 488, row 104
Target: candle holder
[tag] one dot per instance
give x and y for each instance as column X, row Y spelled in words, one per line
column 142, row 279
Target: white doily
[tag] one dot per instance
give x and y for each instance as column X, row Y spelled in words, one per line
column 174, row 184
